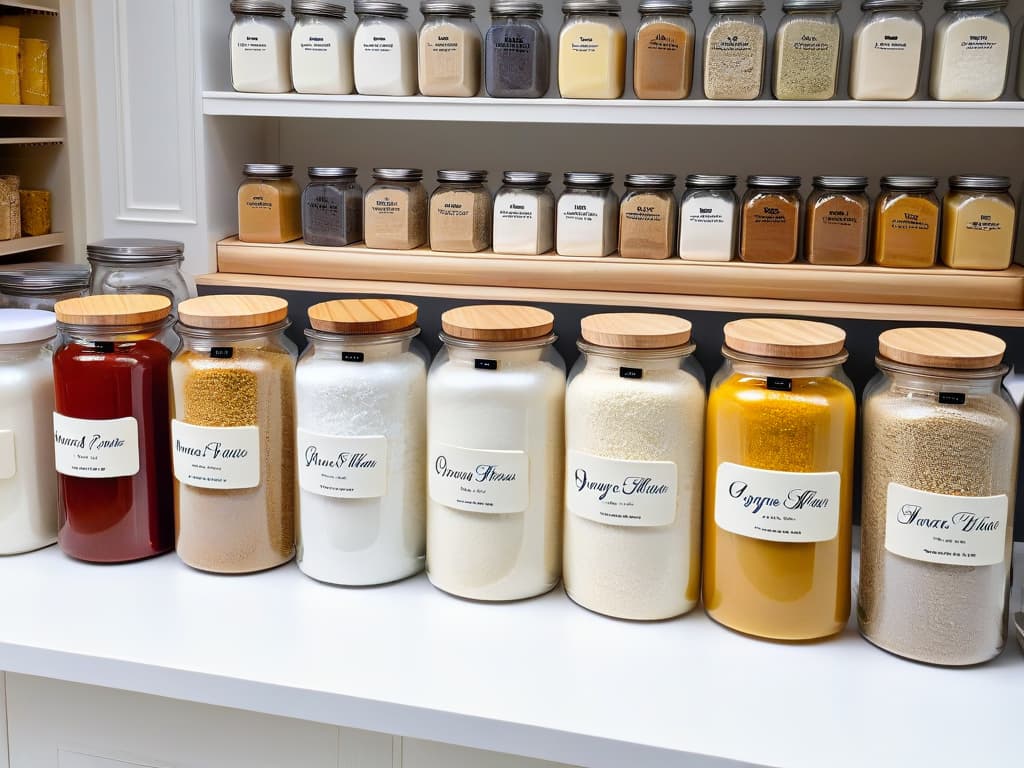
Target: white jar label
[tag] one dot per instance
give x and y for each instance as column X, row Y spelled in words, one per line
column 227, row 458
column 381, row 41
column 951, row 530
column 479, row 481
column 617, row 492
column 343, row 467
column 316, row 44
column 96, row 447
column 516, row 210
column 777, row 506
column 8, row 465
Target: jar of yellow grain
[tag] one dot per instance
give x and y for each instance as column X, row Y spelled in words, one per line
column 233, row 434
column 779, row 481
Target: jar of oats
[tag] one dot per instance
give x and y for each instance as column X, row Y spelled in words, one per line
column 232, row 434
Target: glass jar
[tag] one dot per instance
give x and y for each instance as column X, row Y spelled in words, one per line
column 770, row 231
column 778, row 485
column 361, row 411
column 979, row 219
column 321, row 48
column 384, row 50
column 971, row 51
column 332, row 207
column 260, row 39
column 460, row 212
column 449, row 49
column 28, row 485
column 906, row 222
column 395, row 210
column 234, row 434
column 663, row 50
column 734, row 50
column 647, row 216
column 494, row 512
column 634, row 433
column 941, row 438
column 269, row 204
column 524, row 214
column 139, row 265
column 587, row 215
column 838, row 213
column 111, row 437
column 42, row 285
column 591, row 50
column 807, row 46
column 888, row 45
column 517, row 52
column 707, row 218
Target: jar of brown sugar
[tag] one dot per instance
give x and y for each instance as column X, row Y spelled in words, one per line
column 838, row 212
column 269, row 204
column 979, row 220
column 647, row 216
column 460, row 212
column 663, row 58
column 770, row 220
column 395, row 210
column 233, row 436
column 906, row 230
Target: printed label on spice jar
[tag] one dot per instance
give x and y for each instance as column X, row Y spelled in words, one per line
column 617, row 492
column 949, row 530
column 96, row 447
column 227, row 458
column 476, row 480
column 777, row 506
column 343, row 467
column 8, row 465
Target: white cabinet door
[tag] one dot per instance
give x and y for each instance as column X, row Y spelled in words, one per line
column 431, row 754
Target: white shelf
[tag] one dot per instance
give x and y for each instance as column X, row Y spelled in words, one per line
column 541, row 678
column 26, row 244
column 31, row 110
column 30, row 140
column 997, row 114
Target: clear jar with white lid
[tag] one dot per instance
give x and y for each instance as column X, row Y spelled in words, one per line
column 321, row 48
column 888, row 46
column 807, row 46
column 42, row 285
column 591, row 50
column 495, row 457
column 647, row 216
column 360, row 406
column 260, row 41
column 707, row 218
column 449, row 49
column 395, row 210
column 524, row 214
column 735, row 43
column 634, row 437
column 587, row 218
column 971, row 51
column 384, row 50
column 663, row 50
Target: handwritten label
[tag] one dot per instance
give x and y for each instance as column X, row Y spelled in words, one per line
column 96, row 447
column 216, row 457
column 617, row 492
column 343, row 467
column 476, row 480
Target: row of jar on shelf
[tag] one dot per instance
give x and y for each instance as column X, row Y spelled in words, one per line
column 482, row 459
column 322, row 54
column 978, row 216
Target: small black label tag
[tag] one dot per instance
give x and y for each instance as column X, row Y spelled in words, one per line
column 104, row 346
column 353, row 357
column 222, row 353
column 780, row 385
column 952, row 398
column 485, row 365
column 631, row 373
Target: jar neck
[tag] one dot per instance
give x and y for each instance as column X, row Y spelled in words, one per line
column 173, row 262
column 367, row 347
column 23, row 352
column 911, row 378
column 118, row 334
column 613, row 359
column 205, row 339
column 786, row 368
column 470, row 352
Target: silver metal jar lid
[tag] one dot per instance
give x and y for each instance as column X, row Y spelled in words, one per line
column 812, row 5
column 737, row 6
column 651, row 180
column 892, row 5
column 398, row 174
column 477, row 177
column 666, row 7
column 588, row 179
column 527, row 8
column 526, row 178
column 44, row 278
column 326, row 172
column 994, row 183
column 268, row 170
column 773, row 182
column 442, row 8
column 918, row 183
column 256, row 8
column 591, row 6
column 975, row 5
column 318, row 8
column 853, row 183
column 710, row 181
column 126, row 249
column 380, row 8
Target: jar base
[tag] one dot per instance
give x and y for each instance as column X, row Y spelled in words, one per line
column 633, row 619
column 817, row 638
column 357, row 583
column 27, row 550
column 479, row 599
column 238, row 572
column 116, row 561
column 929, row 662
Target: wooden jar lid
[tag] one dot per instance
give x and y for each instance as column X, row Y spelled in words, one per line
column 115, row 309
column 497, row 322
column 228, row 312
column 358, row 316
column 784, row 338
column 942, row 348
column 635, row 330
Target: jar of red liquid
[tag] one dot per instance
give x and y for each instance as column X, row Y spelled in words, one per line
column 111, row 427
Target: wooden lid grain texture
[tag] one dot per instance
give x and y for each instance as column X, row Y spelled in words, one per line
column 497, row 322
column 115, row 309
column 359, row 316
column 942, row 348
column 784, row 338
column 635, row 330
column 226, row 312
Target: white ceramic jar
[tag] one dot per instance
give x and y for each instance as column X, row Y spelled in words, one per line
column 260, row 42
column 495, row 397
column 321, row 48
column 971, row 51
column 384, row 50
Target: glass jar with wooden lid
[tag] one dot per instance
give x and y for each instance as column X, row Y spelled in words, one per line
column 269, row 204
column 906, row 228
column 770, row 219
column 233, row 434
column 837, row 223
column 979, row 222
column 663, row 50
column 778, row 485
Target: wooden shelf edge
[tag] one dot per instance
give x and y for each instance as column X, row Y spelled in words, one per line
column 17, row 6
column 26, row 244
column 30, row 110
